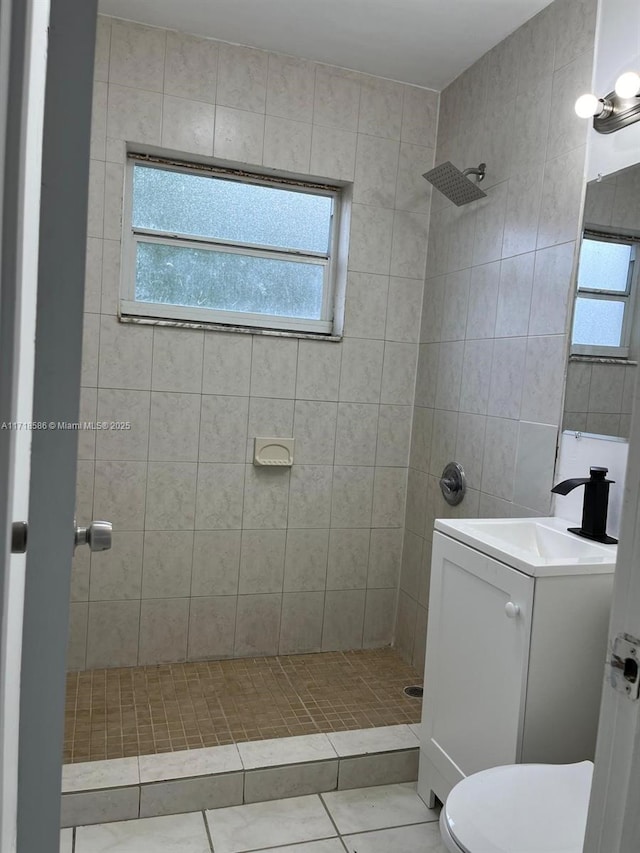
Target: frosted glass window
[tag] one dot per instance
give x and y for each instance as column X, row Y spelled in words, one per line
column 225, row 209
column 598, row 322
column 222, row 246
column 604, row 265
column 225, row 281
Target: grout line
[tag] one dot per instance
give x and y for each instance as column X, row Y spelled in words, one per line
column 326, row 808
column 207, row 830
column 292, row 844
column 215, row 109
column 195, row 503
column 394, row 826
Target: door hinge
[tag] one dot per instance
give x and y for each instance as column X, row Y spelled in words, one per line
column 624, row 674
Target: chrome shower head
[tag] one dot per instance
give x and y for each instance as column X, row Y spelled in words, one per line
column 455, row 184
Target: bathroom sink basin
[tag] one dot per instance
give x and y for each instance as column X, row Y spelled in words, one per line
column 536, row 546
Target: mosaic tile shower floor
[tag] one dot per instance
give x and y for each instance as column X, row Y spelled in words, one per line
column 115, row 713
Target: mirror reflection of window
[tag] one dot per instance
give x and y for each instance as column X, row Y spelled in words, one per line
column 604, row 301
column 605, row 340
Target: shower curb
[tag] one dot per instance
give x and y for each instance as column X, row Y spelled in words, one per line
column 232, row 775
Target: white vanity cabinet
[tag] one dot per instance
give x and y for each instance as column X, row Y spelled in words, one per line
column 514, row 664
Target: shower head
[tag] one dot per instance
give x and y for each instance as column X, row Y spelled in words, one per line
column 455, row 184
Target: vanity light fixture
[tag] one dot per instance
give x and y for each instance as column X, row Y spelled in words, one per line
column 628, row 85
column 618, row 109
column 588, row 106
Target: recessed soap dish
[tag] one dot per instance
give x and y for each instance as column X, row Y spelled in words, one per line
column 273, row 451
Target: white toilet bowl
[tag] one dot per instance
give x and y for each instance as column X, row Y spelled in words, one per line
column 521, row 808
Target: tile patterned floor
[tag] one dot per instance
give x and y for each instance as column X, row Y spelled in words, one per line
column 115, row 713
column 366, row 820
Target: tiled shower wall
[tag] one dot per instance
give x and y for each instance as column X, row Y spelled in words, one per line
column 493, row 337
column 212, row 557
column 599, row 397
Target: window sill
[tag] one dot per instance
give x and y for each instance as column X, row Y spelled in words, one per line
column 602, row 359
column 220, row 327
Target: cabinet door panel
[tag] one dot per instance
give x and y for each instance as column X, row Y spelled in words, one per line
column 476, row 661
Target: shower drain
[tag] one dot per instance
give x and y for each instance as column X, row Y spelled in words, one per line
column 414, row 691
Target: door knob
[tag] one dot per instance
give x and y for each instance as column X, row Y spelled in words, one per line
column 18, row 537
column 512, row 610
column 97, row 535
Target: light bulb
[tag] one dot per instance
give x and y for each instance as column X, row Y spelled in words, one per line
column 628, row 85
column 587, row 106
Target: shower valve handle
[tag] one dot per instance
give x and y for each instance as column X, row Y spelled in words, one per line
column 453, row 483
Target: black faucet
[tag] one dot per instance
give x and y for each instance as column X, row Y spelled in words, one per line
column 594, row 508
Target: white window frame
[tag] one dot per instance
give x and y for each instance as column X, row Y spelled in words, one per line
column 131, row 307
column 627, row 297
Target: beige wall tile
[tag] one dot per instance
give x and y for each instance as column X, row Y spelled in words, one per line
column 305, row 565
column 212, row 623
column 343, row 619
column 112, row 633
column 242, row 77
column 301, row 622
column 257, row 625
column 239, row 135
column 190, row 67
column 137, row 55
column 187, row 125
column 116, row 574
column 163, row 630
column 216, row 562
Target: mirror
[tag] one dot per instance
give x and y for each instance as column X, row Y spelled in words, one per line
column 602, row 368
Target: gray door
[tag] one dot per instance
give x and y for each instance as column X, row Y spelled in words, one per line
column 52, row 370
column 23, row 51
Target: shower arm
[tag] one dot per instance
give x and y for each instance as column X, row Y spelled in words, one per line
column 479, row 172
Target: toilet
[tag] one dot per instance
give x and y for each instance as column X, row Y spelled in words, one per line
column 521, row 808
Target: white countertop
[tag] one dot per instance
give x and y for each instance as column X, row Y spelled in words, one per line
column 540, row 547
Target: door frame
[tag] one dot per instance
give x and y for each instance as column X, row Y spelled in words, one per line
column 56, row 397
column 613, row 824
